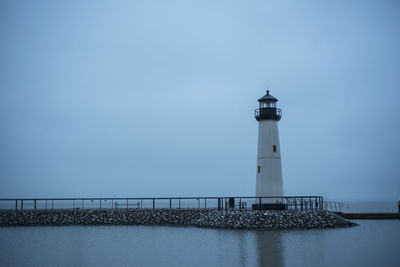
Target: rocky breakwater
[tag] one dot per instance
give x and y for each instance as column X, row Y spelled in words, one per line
column 251, row 220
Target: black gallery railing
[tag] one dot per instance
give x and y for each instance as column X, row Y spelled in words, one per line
column 220, row 203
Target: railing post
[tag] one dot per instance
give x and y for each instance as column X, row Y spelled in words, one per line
column 205, row 203
column 112, row 203
column 127, row 204
column 154, row 203
column 83, row 204
column 170, row 203
column 73, row 204
column 240, row 204
column 34, row 204
column 179, row 203
column 22, row 204
column 259, row 207
column 16, row 205
column 100, row 203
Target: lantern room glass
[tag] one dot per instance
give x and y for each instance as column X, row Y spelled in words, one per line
column 267, row 105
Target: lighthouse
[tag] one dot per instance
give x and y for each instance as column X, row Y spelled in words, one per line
column 269, row 182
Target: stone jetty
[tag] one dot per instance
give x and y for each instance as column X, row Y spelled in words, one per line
column 231, row 219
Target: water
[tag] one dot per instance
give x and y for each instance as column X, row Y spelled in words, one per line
column 370, row 207
column 373, row 243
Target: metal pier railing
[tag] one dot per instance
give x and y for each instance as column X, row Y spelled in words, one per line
column 220, row 203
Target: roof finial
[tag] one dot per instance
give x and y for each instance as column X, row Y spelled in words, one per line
column 267, row 92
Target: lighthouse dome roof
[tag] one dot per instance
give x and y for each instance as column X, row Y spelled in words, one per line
column 268, row 98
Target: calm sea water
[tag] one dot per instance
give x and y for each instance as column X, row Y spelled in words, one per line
column 369, row 206
column 373, row 243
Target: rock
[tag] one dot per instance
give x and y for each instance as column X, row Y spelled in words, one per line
column 288, row 219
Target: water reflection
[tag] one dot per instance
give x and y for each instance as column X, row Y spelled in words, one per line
column 374, row 243
column 269, row 248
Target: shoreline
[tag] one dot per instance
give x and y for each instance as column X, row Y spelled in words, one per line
column 209, row 218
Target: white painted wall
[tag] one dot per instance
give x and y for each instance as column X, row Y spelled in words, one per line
column 269, row 179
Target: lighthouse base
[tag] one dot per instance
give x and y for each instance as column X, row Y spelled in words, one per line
column 269, row 206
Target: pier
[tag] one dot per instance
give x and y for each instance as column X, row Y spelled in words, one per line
column 301, row 203
column 370, row 216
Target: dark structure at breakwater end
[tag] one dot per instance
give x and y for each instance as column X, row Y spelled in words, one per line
column 212, row 218
column 372, row 216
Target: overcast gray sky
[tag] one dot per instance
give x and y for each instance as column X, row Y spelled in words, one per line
column 156, row 98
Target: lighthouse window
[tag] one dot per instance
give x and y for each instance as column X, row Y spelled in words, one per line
column 274, row 148
column 258, row 168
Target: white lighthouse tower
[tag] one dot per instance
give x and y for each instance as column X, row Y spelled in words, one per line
column 269, row 170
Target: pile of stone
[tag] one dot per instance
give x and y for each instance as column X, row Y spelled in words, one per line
column 232, row 219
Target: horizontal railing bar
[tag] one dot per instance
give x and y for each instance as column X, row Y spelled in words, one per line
column 158, row 198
